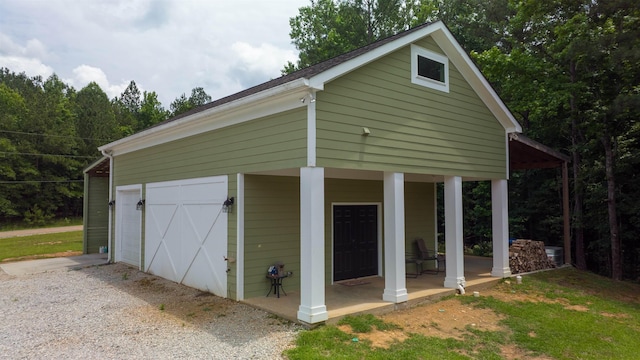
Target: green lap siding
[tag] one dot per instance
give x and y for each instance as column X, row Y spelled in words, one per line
column 420, row 216
column 272, row 231
column 232, row 243
column 272, row 222
column 339, row 191
column 270, row 143
column 413, row 129
column 419, row 210
column 96, row 214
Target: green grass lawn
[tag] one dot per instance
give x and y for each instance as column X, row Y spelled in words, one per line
column 36, row 246
column 560, row 314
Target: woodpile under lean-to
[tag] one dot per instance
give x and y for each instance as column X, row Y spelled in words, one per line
column 528, row 255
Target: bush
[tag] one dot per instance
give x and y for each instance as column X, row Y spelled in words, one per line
column 483, row 248
column 37, row 216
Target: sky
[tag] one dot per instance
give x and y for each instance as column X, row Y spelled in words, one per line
column 166, row 46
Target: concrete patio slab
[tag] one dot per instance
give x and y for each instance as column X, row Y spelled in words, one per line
column 366, row 297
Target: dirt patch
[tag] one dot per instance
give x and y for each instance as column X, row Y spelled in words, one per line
column 580, row 308
column 505, row 293
column 170, row 301
column 615, row 316
column 379, row 339
column 49, row 243
column 514, row 352
column 445, row 319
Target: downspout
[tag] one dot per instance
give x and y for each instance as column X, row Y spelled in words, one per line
column 109, row 154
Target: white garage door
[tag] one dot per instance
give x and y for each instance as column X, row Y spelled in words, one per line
column 186, row 232
column 128, row 224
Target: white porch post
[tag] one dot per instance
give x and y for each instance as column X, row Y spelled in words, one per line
column 500, row 228
column 395, row 287
column 453, row 232
column 312, row 305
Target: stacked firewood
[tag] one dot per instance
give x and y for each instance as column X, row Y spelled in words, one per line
column 528, row 255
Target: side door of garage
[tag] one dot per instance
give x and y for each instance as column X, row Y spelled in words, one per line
column 128, row 225
column 355, row 241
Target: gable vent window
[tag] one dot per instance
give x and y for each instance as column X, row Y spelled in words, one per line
column 429, row 69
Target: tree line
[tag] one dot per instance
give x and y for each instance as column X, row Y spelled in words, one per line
column 49, row 133
column 569, row 71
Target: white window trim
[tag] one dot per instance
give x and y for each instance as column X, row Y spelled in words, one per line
column 423, row 81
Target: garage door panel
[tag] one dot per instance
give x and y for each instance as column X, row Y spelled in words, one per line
column 211, row 245
column 189, row 246
column 202, row 264
column 206, row 191
column 173, row 245
column 202, row 217
column 163, row 265
column 163, row 215
column 170, row 194
column 192, row 242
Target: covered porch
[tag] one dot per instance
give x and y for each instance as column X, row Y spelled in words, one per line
column 364, row 295
column 399, row 208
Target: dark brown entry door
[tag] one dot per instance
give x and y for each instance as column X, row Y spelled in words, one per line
column 355, row 241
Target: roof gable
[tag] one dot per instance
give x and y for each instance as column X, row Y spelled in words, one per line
column 315, row 77
column 451, row 48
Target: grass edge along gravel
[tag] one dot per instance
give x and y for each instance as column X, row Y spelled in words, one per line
column 39, row 246
column 560, row 314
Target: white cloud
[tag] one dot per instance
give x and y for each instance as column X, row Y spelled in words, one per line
column 166, row 46
column 31, row 67
column 256, row 64
column 27, row 58
column 266, row 58
column 33, row 48
column 36, row 49
column 84, row 74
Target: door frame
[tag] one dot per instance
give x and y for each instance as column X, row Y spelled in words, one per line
column 119, row 220
column 379, row 231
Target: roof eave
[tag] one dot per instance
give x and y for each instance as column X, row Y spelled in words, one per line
column 94, row 164
column 318, row 81
column 136, row 141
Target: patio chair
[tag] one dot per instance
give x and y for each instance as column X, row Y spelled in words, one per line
column 417, row 263
column 425, row 255
column 416, row 258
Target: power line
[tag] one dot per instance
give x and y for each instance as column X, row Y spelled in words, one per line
column 50, row 135
column 59, row 155
column 37, row 181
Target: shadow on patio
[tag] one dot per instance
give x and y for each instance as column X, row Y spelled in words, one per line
column 342, row 300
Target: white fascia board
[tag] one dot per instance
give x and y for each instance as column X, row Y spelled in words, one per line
column 271, row 101
column 318, row 81
column 474, row 77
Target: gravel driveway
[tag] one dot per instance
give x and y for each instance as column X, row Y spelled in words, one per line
column 116, row 312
